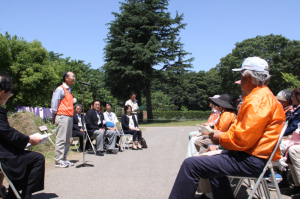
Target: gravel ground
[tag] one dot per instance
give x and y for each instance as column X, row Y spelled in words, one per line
column 149, row 173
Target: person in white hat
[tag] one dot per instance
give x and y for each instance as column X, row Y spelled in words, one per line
column 250, row 140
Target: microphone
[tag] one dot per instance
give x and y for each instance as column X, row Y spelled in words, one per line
column 84, row 83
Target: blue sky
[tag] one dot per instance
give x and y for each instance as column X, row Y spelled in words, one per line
column 77, row 28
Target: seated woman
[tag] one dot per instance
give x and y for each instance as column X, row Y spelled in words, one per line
column 227, row 117
column 130, row 126
column 212, row 120
column 295, row 118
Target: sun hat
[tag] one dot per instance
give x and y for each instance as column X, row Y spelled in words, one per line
column 254, row 63
column 224, row 100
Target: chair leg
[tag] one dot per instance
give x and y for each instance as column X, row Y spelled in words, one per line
column 266, row 189
column 91, row 143
column 238, row 186
column 17, row 194
column 275, row 183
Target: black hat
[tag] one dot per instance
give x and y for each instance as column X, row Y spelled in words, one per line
column 224, row 100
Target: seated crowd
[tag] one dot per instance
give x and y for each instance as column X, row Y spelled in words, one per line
column 243, row 137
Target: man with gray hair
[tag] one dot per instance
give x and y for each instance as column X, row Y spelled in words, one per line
column 248, row 143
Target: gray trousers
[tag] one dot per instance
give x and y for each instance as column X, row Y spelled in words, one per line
column 99, row 135
column 64, row 126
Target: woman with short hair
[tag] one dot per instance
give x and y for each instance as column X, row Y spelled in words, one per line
column 130, row 126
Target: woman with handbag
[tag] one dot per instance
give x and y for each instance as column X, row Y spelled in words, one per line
column 130, row 126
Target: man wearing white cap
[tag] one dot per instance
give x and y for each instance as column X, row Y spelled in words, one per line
column 249, row 141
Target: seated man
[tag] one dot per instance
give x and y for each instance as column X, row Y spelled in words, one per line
column 26, row 169
column 111, row 117
column 249, row 141
column 78, row 126
column 96, row 129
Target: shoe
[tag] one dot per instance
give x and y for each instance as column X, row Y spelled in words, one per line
column 4, row 191
column 61, row 164
column 295, row 190
column 134, row 148
column 80, row 150
column 111, row 152
column 297, row 196
column 100, row 153
column 283, row 185
column 69, row 163
column 28, row 197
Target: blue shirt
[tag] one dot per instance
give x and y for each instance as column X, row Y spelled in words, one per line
column 58, row 95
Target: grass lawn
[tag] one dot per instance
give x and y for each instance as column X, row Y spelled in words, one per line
column 164, row 123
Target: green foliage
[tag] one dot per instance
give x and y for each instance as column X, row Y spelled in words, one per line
column 142, row 38
column 282, row 54
column 181, row 114
column 292, row 80
column 162, row 102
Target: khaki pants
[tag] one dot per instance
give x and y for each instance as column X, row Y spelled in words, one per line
column 201, row 144
column 294, row 155
column 64, row 126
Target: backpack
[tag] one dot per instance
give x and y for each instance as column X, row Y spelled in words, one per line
column 143, row 143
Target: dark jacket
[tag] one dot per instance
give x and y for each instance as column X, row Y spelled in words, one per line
column 12, row 144
column 293, row 122
column 76, row 121
column 91, row 121
column 125, row 122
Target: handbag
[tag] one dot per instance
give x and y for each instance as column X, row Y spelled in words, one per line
column 143, row 143
column 295, row 140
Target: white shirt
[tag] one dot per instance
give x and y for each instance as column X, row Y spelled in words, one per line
column 110, row 117
column 131, row 123
column 79, row 120
column 134, row 105
column 98, row 116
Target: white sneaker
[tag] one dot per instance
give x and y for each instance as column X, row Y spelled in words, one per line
column 61, row 164
column 69, row 163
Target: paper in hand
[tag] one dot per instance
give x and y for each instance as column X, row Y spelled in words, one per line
column 42, row 136
column 206, row 128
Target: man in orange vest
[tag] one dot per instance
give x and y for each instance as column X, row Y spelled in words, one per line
column 249, row 141
column 63, row 111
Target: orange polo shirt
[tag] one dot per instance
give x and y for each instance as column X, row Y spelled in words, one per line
column 258, row 125
column 225, row 121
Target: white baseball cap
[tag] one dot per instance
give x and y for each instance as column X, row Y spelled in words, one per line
column 255, row 64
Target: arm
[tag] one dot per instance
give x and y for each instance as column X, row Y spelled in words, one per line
column 124, row 122
column 58, row 95
column 293, row 123
column 75, row 123
column 225, row 121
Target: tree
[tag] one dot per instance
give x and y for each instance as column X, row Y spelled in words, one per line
column 282, row 55
column 32, row 74
column 142, row 45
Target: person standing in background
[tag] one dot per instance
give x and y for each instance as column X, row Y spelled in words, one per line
column 134, row 105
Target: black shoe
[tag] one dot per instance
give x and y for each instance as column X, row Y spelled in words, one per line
column 134, row 148
column 80, row 150
column 100, row 153
column 293, row 191
column 4, row 191
column 283, row 185
column 111, row 152
column 140, row 148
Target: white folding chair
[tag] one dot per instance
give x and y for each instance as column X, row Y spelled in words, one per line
column 10, row 184
column 260, row 182
column 123, row 138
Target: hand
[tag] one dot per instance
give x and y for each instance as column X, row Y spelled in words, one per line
column 34, row 140
column 134, row 110
column 205, row 133
column 205, row 124
column 81, row 130
column 102, row 130
column 212, row 148
column 215, row 136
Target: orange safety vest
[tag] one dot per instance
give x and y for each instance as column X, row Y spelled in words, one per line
column 213, row 117
column 65, row 106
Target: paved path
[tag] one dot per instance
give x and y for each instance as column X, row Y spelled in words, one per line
column 149, row 173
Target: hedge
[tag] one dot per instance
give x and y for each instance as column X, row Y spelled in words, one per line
column 180, row 114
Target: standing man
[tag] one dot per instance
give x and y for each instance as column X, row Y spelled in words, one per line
column 134, row 105
column 63, row 111
column 250, row 140
column 96, row 129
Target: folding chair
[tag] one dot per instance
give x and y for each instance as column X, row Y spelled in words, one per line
column 123, row 138
column 260, row 182
column 10, row 184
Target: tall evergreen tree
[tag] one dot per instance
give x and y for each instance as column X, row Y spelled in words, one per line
column 142, row 45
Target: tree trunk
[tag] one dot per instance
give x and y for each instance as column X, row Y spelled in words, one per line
column 148, row 100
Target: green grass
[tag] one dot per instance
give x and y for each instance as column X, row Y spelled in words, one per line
column 166, row 123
